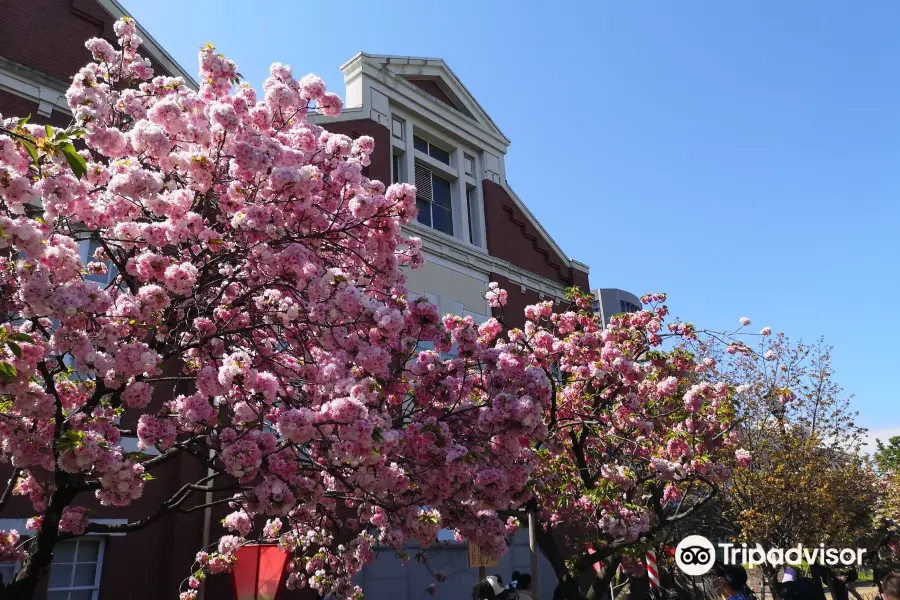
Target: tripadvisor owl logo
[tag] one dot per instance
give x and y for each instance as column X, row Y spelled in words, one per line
column 695, row 555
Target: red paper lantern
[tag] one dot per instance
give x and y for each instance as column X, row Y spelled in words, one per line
column 258, row 572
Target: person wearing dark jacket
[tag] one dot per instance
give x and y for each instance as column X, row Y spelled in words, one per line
column 801, row 588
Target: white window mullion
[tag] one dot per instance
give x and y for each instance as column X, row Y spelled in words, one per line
column 460, row 208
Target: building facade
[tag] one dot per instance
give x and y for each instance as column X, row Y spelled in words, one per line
column 429, row 131
column 612, row 301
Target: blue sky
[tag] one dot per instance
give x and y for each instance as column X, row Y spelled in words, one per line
column 742, row 156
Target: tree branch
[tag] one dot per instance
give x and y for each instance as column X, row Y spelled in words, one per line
column 9, row 487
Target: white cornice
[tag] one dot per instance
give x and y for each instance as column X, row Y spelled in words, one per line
column 348, row 114
column 434, row 243
column 49, row 94
column 381, row 77
column 19, row 526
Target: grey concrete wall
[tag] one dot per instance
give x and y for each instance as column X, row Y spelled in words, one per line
column 389, row 579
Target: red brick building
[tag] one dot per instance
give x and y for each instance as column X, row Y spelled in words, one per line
column 428, row 129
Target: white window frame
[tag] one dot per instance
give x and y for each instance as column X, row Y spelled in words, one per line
column 438, row 145
column 452, row 209
column 460, row 153
column 397, row 175
column 397, row 124
column 468, row 165
column 95, row 588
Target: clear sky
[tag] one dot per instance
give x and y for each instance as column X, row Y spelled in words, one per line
column 743, row 156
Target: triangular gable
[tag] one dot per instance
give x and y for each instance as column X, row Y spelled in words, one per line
column 435, row 87
column 433, row 77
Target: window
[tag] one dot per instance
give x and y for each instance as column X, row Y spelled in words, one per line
column 470, row 204
column 431, row 150
column 75, row 572
column 433, row 201
column 397, row 128
column 395, row 168
column 628, row 306
column 469, row 165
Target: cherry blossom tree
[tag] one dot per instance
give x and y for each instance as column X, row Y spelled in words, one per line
column 641, row 433
column 254, row 318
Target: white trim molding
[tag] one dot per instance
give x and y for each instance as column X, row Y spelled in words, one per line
column 19, row 525
column 439, row 247
column 381, row 88
column 19, row 80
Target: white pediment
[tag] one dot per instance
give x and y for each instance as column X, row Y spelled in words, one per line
column 430, row 77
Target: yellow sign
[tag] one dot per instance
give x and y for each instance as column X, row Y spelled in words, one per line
column 477, row 559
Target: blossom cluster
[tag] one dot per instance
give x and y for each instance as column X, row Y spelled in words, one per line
column 253, row 310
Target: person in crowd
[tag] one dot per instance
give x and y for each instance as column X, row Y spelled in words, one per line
column 672, row 593
column 879, row 572
column 490, row 588
column 731, row 582
column 559, row 593
column 849, row 578
column 789, row 575
column 521, row 586
column 890, row 586
column 800, row 588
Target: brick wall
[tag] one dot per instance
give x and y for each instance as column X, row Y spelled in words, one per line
column 432, row 88
column 512, row 237
column 380, row 168
column 49, row 35
column 17, row 106
column 513, row 314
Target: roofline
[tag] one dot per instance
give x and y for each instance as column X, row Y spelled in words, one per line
column 440, row 62
column 537, row 224
column 153, row 47
column 360, row 57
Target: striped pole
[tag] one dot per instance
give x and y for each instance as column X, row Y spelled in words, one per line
column 652, row 572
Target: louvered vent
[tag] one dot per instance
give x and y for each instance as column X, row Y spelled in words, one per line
column 423, row 183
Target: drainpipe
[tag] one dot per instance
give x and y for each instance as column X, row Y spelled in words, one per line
column 207, row 518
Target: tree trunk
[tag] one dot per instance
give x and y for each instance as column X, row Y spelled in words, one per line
column 600, row 585
column 40, row 549
column 638, row 587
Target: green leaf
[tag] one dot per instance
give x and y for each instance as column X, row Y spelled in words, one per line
column 16, row 349
column 73, row 131
column 76, row 161
column 137, row 456
column 23, row 121
column 32, row 151
column 49, row 131
column 21, row 337
column 7, row 372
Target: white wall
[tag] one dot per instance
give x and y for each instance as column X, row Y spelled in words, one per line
column 454, row 291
